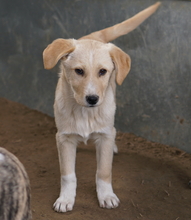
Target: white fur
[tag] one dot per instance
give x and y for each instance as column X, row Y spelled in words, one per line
column 107, row 198
column 65, row 202
column 91, row 89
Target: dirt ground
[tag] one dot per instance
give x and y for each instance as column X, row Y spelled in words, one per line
column 150, row 179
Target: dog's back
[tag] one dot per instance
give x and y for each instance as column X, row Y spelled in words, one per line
column 14, row 188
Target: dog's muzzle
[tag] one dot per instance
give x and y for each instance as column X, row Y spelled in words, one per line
column 92, row 100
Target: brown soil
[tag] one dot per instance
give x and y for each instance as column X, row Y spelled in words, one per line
column 150, row 179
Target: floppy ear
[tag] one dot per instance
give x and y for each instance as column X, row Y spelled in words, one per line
column 56, row 50
column 122, row 63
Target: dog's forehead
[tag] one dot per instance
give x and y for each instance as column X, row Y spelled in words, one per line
column 90, row 44
column 91, row 51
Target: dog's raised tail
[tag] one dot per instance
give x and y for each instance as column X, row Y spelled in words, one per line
column 111, row 33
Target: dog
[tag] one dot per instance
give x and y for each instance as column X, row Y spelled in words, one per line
column 85, row 105
column 14, row 188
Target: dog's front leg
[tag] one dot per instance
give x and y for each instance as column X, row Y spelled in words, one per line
column 66, row 145
column 104, row 151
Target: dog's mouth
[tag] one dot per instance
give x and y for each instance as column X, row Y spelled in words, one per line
column 92, row 106
column 86, row 105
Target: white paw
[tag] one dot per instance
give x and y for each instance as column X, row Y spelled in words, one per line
column 66, row 200
column 106, row 196
column 63, row 205
column 109, row 201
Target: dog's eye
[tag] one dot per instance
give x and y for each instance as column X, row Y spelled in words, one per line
column 79, row 71
column 102, row 72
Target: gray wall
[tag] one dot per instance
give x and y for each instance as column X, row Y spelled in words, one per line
column 155, row 99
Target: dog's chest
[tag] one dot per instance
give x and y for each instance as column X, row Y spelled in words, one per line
column 85, row 121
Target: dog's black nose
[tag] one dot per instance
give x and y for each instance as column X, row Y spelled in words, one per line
column 92, row 99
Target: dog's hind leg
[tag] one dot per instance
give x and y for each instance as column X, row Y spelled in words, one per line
column 115, row 148
column 104, row 153
column 66, row 145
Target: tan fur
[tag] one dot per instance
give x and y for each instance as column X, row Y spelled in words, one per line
column 111, row 33
column 55, row 51
column 76, row 118
column 122, row 63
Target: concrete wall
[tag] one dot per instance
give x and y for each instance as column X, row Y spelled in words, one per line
column 155, row 99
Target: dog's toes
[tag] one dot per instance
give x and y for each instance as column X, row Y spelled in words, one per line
column 62, row 205
column 109, row 202
column 115, row 202
column 69, row 207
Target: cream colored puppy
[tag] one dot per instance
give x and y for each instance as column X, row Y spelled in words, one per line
column 85, row 104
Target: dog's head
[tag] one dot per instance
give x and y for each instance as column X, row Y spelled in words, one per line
column 88, row 66
column 90, row 61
